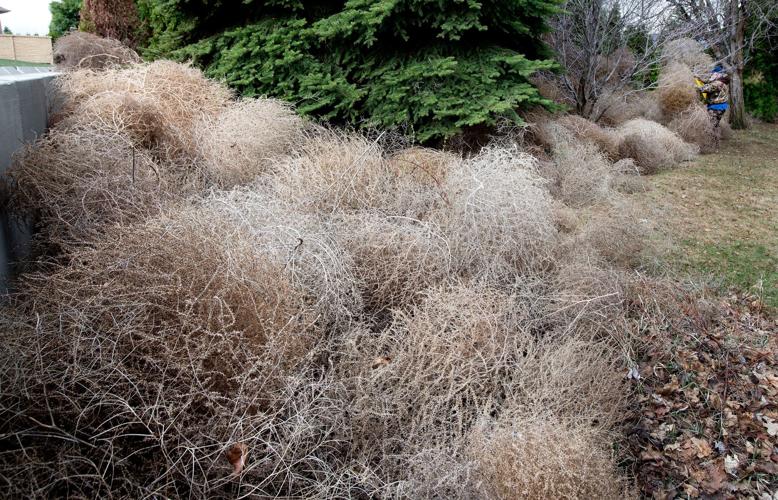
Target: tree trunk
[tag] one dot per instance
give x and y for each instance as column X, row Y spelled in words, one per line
column 737, row 117
column 737, row 104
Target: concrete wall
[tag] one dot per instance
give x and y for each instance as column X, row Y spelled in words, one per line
column 25, row 101
column 34, row 49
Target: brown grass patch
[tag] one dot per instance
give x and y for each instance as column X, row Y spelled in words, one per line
column 580, row 176
column 395, row 259
column 496, row 215
column 424, row 165
column 80, row 182
column 689, row 53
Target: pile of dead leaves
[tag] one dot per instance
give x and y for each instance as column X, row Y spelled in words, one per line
column 705, row 413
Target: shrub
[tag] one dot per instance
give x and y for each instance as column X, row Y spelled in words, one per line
column 395, row 259
column 606, row 140
column 694, row 126
column 123, row 148
column 361, row 319
column 760, row 86
column 497, row 215
column 210, row 310
column 676, row 91
column 437, row 69
column 455, row 338
column 335, row 172
column 616, row 234
column 425, row 165
column 180, row 92
column 689, row 53
column 117, row 19
column 246, row 139
column 627, row 178
column 79, row 182
column 580, row 176
column 725, row 129
column 85, row 50
column 652, row 146
column 65, row 17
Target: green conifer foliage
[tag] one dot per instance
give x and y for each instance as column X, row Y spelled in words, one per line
column 435, row 66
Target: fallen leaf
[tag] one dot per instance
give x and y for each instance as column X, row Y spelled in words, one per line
column 702, row 447
column 651, row 455
column 771, row 426
column 716, row 479
column 731, row 464
column 381, row 361
column 237, row 457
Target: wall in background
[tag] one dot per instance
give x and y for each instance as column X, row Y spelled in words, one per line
column 35, row 49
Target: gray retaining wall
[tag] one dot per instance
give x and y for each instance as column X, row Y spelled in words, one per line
column 25, row 103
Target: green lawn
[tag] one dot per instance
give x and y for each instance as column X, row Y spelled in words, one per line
column 720, row 214
column 10, row 62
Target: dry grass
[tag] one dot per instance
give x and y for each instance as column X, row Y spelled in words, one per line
column 497, row 216
column 627, row 179
column 620, row 108
column 357, row 320
column 694, row 126
column 123, row 148
column 395, row 259
column 466, row 352
column 615, row 233
column 425, row 165
column 580, row 176
column 676, row 90
column 209, row 310
column 544, row 459
column 334, row 172
column 606, row 140
column 725, row 129
column 179, row 93
column 79, row 182
column 244, row 140
column 85, row 50
column 652, row 146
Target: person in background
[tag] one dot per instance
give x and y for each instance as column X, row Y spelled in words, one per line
column 715, row 92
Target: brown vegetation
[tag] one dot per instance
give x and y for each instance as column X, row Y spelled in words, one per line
column 676, row 91
column 85, row 50
column 695, row 127
column 652, row 146
column 117, row 19
column 346, row 319
column 243, row 141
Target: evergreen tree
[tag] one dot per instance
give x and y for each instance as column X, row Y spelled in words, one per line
column 439, row 67
column 65, row 15
column 116, row 19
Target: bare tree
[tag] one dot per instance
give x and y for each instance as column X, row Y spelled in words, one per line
column 606, row 47
column 730, row 28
